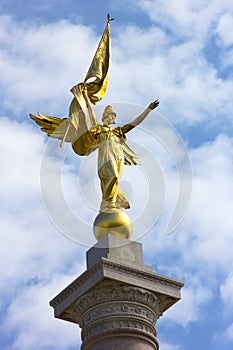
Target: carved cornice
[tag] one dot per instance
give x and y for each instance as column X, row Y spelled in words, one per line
column 71, row 288
column 105, row 263
column 151, row 276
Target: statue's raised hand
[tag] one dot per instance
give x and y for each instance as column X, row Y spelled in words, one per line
column 154, row 104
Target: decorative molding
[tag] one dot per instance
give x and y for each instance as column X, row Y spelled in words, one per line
column 107, row 311
column 71, row 288
column 151, row 276
column 117, row 308
column 116, row 293
column 118, row 267
column 121, row 326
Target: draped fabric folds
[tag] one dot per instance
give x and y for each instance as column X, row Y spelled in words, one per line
column 93, row 89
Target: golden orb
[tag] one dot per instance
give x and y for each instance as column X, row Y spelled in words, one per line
column 117, row 223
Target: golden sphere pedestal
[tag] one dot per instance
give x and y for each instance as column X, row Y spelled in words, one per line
column 115, row 222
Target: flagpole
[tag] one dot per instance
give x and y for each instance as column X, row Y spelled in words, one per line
column 65, row 135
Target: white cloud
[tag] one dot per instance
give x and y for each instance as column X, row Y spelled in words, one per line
column 226, row 290
column 31, row 250
column 39, row 64
column 188, row 310
column 210, row 214
column 189, row 18
column 166, row 346
column 200, row 251
column 183, row 73
column 224, row 29
column 189, row 87
column 30, row 319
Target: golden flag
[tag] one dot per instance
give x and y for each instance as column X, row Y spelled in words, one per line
column 99, row 69
column 94, row 90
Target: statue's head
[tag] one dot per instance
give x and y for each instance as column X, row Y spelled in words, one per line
column 109, row 116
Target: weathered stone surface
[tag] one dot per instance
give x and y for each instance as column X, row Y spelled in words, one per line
column 118, row 299
column 108, row 315
column 117, row 249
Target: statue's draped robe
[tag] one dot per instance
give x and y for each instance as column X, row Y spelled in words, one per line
column 111, row 159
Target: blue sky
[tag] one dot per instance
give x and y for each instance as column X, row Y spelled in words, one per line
column 180, row 52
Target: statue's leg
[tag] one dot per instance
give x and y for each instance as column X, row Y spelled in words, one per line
column 108, row 175
column 121, row 199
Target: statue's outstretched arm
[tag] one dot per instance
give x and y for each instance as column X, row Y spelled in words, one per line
column 127, row 127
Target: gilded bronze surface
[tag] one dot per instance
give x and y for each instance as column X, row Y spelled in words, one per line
column 115, row 222
column 86, row 135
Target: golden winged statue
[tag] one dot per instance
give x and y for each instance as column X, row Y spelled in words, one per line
column 86, row 134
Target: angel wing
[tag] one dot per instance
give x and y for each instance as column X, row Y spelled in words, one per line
column 54, row 127
column 83, row 143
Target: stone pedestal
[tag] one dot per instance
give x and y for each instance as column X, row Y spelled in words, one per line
column 118, row 299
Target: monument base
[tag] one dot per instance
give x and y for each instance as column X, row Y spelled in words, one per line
column 118, row 299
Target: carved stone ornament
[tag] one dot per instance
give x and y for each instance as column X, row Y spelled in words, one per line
column 116, row 311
